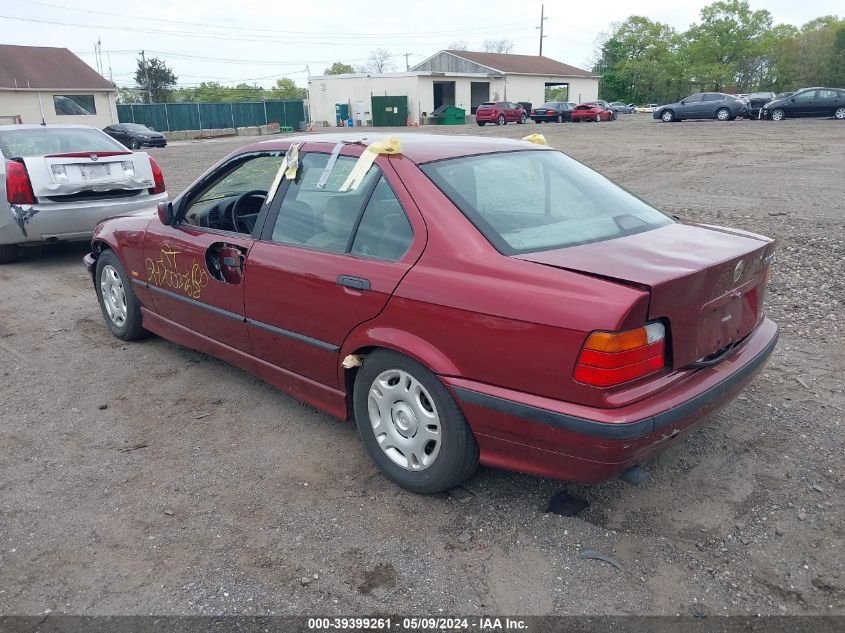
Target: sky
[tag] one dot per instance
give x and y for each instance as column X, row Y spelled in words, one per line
column 261, row 41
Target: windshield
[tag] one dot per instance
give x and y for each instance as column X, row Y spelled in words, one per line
column 136, row 127
column 47, row 140
column 539, row 200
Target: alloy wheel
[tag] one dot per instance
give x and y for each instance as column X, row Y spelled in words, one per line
column 723, row 114
column 777, row 115
column 840, row 114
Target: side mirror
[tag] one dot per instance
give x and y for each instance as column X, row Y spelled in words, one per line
column 165, row 213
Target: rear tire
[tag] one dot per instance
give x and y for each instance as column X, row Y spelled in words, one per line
column 392, row 393
column 521, row 119
column 8, row 253
column 839, row 114
column 501, row 120
column 560, row 118
column 723, row 114
column 133, row 144
column 118, row 303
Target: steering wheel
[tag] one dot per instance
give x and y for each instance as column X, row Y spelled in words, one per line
column 236, row 210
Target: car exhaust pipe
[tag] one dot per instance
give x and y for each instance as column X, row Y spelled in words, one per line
column 635, row 475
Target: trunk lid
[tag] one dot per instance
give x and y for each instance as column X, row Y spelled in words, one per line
column 59, row 176
column 708, row 282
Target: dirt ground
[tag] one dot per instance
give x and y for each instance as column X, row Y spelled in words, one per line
column 146, row 478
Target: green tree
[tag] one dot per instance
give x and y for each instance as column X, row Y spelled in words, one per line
column 717, row 49
column 156, row 79
column 638, row 62
column 286, row 88
column 339, row 68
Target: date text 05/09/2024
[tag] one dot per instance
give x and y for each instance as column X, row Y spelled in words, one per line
column 479, row 623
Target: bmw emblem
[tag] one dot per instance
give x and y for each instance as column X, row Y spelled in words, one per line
column 738, row 270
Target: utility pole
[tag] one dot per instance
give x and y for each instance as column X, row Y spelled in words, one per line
column 147, row 77
column 407, row 65
column 542, row 21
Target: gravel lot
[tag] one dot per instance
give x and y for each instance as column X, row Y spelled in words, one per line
column 147, row 478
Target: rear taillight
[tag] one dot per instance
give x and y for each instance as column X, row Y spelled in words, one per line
column 612, row 358
column 18, row 187
column 158, row 177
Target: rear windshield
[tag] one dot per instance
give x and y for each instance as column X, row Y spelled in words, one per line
column 538, row 200
column 46, row 140
column 760, row 95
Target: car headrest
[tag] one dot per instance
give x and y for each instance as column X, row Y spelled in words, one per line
column 340, row 214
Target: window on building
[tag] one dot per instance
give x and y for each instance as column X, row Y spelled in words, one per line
column 74, row 104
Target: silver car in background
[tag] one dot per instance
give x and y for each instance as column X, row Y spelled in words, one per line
column 58, row 181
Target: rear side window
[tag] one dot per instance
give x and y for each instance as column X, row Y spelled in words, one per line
column 384, row 231
column 539, row 200
column 46, row 140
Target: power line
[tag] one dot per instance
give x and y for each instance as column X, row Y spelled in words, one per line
column 277, row 32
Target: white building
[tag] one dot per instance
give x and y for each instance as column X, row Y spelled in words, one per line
column 52, row 85
column 461, row 78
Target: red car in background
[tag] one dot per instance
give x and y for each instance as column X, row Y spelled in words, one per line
column 592, row 112
column 471, row 300
column 500, row 113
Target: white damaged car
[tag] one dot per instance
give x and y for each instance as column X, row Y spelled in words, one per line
column 58, row 181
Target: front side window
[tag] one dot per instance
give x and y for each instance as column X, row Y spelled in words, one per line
column 232, row 202
column 693, row 99
column 74, row 104
column 538, row 200
column 805, row 96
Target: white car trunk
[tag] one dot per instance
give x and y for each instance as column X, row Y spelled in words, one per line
column 59, row 176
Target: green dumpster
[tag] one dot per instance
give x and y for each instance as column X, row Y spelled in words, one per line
column 450, row 115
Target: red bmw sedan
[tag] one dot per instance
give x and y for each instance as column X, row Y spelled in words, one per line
column 460, row 299
column 592, row 112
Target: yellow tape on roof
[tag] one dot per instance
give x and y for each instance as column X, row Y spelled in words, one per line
column 390, row 145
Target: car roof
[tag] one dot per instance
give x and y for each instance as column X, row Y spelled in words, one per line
column 38, row 126
column 419, row 148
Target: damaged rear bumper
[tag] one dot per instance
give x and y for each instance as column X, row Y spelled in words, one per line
column 65, row 221
column 551, row 438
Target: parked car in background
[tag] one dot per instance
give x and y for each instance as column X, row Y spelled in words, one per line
column 622, row 329
column 756, row 101
column 60, row 180
column 810, row 102
column 704, row 105
column 500, row 113
column 135, row 135
column 623, row 108
column 649, row 107
column 784, row 95
column 558, row 111
column 592, row 112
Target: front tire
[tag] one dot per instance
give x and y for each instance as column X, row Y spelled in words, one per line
column 8, row 253
column 411, row 426
column 560, row 118
column 133, row 144
column 521, row 119
column 501, row 120
column 667, row 116
column 778, row 114
column 723, row 114
column 118, row 303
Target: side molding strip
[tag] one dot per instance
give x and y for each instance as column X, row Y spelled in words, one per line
column 329, row 347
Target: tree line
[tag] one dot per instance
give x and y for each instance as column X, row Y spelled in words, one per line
column 732, row 48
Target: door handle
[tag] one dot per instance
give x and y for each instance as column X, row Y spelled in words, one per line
column 356, row 283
